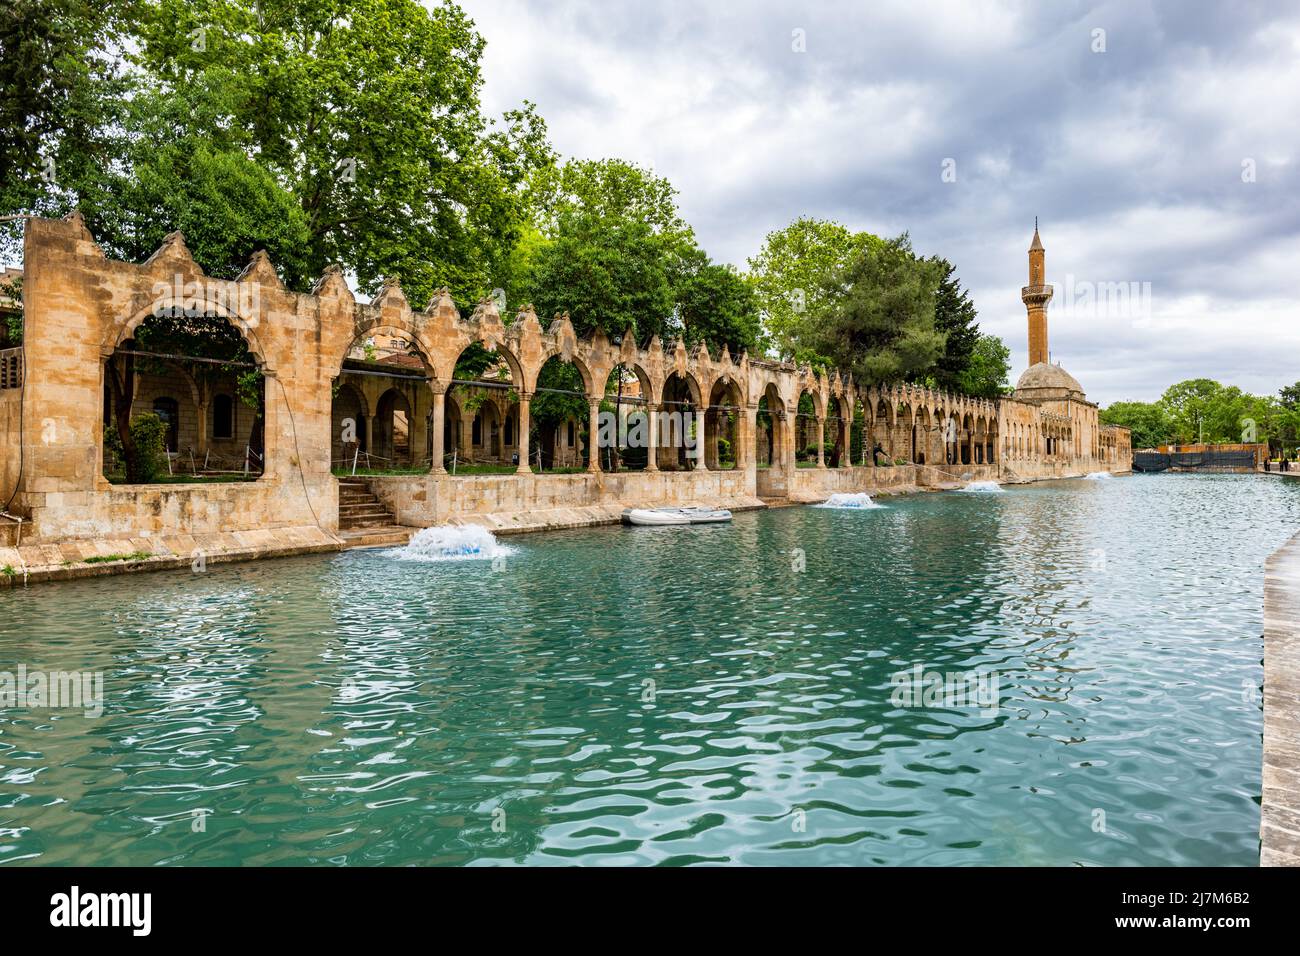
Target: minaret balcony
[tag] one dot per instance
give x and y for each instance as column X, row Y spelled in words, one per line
column 1036, row 294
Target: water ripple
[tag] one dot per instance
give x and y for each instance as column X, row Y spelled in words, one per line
column 676, row 696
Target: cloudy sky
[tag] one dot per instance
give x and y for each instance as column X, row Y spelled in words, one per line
column 1133, row 146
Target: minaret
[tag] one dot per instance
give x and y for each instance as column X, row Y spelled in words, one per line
column 1036, row 295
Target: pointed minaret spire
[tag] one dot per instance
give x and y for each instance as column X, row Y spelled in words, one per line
column 1036, row 295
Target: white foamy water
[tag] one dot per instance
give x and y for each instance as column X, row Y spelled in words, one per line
column 858, row 502
column 983, row 487
column 1098, row 476
column 470, row 542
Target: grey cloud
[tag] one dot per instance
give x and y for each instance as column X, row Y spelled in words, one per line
column 1131, row 157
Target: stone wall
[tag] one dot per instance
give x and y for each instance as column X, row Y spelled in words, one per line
column 199, row 508
column 817, row 484
column 524, row 502
column 1279, row 821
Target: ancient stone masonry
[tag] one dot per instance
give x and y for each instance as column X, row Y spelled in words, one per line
column 80, row 307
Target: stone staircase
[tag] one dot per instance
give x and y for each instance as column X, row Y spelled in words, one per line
column 364, row 522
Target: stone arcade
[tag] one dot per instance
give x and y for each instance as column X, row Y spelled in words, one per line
column 79, row 307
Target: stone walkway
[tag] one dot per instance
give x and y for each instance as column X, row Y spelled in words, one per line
column 91, row 557
column 1279, row 826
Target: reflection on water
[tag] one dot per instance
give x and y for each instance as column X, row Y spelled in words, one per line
column 676, row 695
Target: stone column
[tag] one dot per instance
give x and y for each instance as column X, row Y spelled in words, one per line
column 370, row 435
column 821, row 442
column 786, row 451
column 465, row 444
column 202, row 434
column 593, row 431
column 701, row 446
column 652, row 430
column 522, row 437
column 747, row 456
column 436, row 467
column 746, row 437
column 417, row 435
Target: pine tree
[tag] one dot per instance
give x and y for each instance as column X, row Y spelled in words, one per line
column 954, row 315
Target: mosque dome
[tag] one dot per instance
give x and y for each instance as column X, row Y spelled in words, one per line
column 1045, row 380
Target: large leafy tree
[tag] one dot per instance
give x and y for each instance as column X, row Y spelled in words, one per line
column 717, row 306
column 611, row 189
column 611, row 249
column 225, row 202
column 64, row 86
column 793, row 277
column 368, row 114
column 1149, row 421
column 610, row 275
column 1188, row 403
column 878, row 320
column 986, row 368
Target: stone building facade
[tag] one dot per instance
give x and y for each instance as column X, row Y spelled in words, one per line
column 80, row 306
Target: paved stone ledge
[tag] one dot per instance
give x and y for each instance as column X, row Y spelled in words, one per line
column 67, row 560
column 1279, row 824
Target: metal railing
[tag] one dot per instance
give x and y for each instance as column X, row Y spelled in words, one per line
column 19, row 537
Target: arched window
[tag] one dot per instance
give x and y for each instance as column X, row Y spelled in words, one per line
column 508, row 433
column 223, row 417
column 168, row 410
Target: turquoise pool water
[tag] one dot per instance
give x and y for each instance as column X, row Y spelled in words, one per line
column 671, row 696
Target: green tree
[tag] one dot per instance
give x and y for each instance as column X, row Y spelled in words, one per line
column 986, row 368
column 65, row 84
column 878, row 317
column 610, row 275
column 1187, row 404
column 794, row 273
column 368, row 113
column 955, row 316
column 612, row 249
column 611, row 189
column 1286, row 430
column 225, row 203
column 716, row 305
column 1149, row 421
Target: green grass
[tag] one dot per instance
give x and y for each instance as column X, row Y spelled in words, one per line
column 378, row 472
column 111, row 558
column 485, row 469
column 185, row 479
column 8, row 571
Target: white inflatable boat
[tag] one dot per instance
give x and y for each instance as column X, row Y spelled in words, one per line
column 665, row 516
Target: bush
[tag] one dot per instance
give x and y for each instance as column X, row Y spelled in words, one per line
column 150, row 434
column 112, row 450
